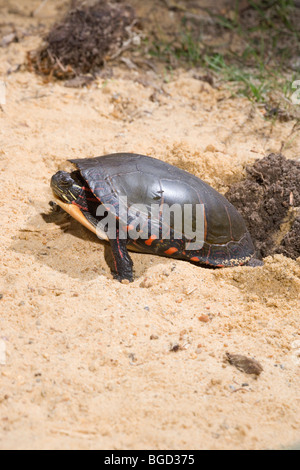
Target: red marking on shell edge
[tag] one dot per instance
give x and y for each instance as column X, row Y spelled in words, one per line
column 171, row 250
column 150, row 240
column 195, row 259
column 220, row 266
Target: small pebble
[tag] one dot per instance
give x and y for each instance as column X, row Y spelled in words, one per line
column 204, row 318
column 132, row 357
column 279, row 365
column 210, row 148
column 146, row 283
column 154, row 337
column 93, row 367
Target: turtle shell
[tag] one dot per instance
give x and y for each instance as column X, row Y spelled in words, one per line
column 141, row 180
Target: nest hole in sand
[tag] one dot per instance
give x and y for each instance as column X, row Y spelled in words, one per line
column 269, row 200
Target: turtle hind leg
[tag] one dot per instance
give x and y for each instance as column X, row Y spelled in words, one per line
column 122, row 262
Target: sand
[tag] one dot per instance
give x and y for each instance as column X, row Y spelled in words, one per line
column 87, row 362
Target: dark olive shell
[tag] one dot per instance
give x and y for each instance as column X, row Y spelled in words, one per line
column 145, row 180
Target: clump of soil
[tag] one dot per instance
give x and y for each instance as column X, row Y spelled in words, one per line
column 83, row 40
column 244, row 364
column 269, row 200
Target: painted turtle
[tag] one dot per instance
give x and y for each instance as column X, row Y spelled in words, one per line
column 115, row 183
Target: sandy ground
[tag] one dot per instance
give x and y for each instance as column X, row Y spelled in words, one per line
column 86, row 362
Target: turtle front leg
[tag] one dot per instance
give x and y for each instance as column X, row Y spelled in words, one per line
column 122, row 261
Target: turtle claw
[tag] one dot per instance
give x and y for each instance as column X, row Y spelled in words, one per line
column 55, row 207
column 125, row 279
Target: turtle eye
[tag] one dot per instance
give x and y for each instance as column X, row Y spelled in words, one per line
column 65, row 180
column 67, row 183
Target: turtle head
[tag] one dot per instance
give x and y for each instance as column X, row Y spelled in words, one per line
column 65, row 187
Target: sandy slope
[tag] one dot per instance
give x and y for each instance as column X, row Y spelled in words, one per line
column 81, row 369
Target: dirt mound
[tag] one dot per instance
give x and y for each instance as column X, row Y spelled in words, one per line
column 269, row 200
column 83, row 40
